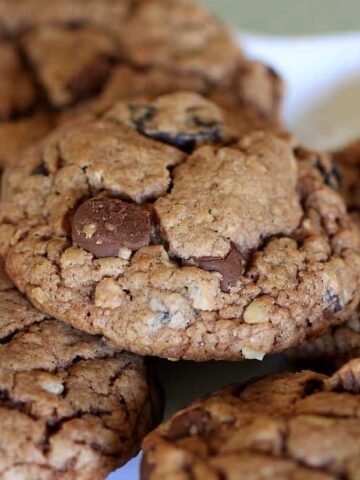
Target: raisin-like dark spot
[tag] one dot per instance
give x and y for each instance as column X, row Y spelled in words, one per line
column 184, row 122
column 332, row 177
column 140, row 114
column 40, row 170
column 333, row 302
column 336, row 173
column 186, row 142
column 165, row 318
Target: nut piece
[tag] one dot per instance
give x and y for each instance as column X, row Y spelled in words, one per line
column 258, row 311
column 251, row 354
column 105, row 226
column 51, row 384
column 109, row 294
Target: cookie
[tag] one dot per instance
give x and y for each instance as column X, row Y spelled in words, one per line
column 19, row 134
column 18, row 94
column 190, row 52
column 153, row 226
column 348, row 163
column 244, row 106
column 78, row 55
column 341, row 342
column 288, row 426
column 71, row 406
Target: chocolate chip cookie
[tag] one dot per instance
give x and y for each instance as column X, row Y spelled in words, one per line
column 81, row 55
column 71, row 406
column 347, row 160
column 341, row 342
column 153, row 225
column 288, row 426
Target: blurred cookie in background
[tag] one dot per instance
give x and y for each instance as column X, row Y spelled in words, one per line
column 287, row 425
column 81, row 55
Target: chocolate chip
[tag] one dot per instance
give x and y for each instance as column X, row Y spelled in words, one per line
column 191, row 422
column 230, row 267
column 193, row 126
column 40, row 170
column 104, row 225
column 331, row 176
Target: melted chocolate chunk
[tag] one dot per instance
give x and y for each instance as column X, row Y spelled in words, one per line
column 230, row 267
column 104, row 225
column 192, row 422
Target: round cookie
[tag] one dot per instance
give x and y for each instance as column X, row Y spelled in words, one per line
column 56, row 58
column 342, row 342
column 289, row 425
column 71, row 406
column 245, row 246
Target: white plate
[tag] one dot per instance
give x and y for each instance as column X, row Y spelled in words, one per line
column 322, row 107
column 322, row 75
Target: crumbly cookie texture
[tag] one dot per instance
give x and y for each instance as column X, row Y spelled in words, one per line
column 289, row 426
column 341, row 342
column 16, row 312
column 71, row 406
column 221, row 274
column 238, row 195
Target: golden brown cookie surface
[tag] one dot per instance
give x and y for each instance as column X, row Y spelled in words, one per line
column 71, row 406
column 244, row 246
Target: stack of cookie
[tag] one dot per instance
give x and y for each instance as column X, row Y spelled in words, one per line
column 153, row 203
